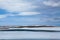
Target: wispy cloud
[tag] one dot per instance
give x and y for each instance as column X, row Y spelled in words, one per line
column 28, row 13
column 16, row 5
column 3, row 16
column 20, row 6
column 52, row 3
column 6, row 15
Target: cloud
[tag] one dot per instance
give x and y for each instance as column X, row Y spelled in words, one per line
column 20, row 6
column 50, row 20
column 28, row 13
column 19, row 14
column 52, row 3
column 6, row 15
column 16, row 5
column 3, row 16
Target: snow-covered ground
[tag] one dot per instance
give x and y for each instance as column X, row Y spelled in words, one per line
column 29, row 35
column 41, row 28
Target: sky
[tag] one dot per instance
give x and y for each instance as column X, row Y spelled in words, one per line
column 30, row 12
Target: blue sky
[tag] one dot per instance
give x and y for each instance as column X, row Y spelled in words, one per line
column 30, row 12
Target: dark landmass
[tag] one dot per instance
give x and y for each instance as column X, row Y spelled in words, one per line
column 6, row 27
column 30, row 30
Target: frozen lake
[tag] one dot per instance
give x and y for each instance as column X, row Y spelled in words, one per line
column 28, row 35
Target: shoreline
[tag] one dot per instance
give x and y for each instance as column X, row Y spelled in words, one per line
column 41, row 29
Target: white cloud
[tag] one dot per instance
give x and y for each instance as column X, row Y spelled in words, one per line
column 28, row 13
column 6, row 15
column 3, row 16
column 16, row 5
column 52, row 3
column 22, row 14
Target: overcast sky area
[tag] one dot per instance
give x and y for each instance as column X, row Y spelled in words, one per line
column 30, row 12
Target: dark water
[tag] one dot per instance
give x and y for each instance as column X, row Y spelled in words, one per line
column 29, row 39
